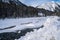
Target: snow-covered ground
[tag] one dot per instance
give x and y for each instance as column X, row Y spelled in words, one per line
column 50, row 31
column 21, row 23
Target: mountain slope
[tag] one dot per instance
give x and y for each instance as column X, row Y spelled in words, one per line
column 49, row 6
column 17, row 2
column 15, row 8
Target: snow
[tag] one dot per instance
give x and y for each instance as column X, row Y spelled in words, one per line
column 58, row 3
column 50, row 31
column 40, row 14
column 15, row 1
column 19, row 31
column 49, row 6
column 21, row 23
column 7, row 1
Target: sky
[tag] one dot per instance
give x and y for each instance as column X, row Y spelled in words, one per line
column 36, row 2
